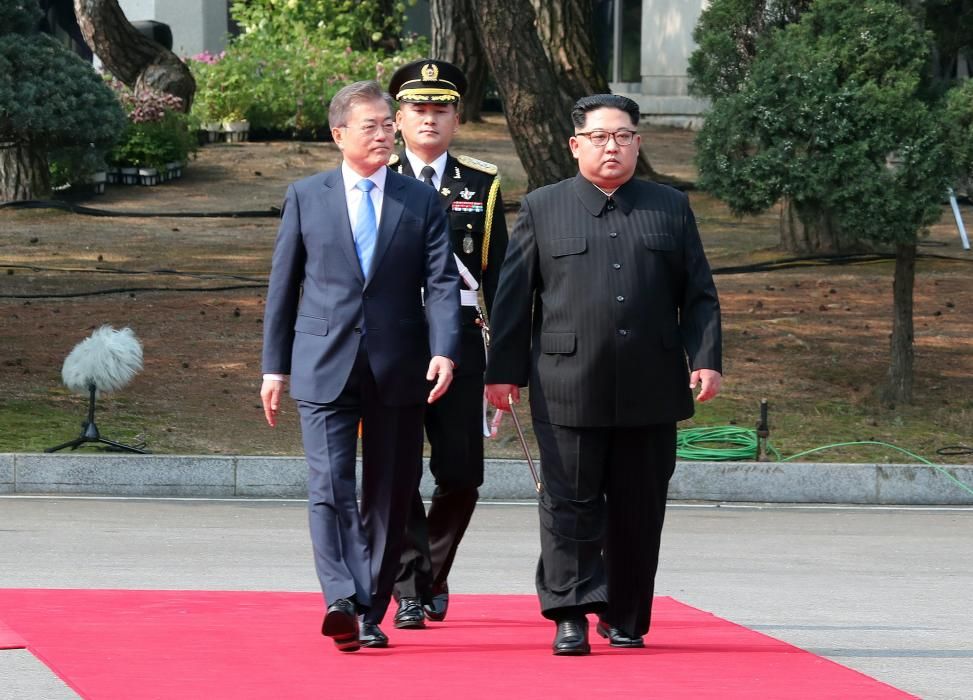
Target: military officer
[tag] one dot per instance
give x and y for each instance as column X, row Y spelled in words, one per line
column 429, row 92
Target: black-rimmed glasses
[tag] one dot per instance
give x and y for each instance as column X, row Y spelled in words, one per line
column 623, row 137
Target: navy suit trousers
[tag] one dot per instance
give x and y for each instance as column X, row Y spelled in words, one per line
column 356, row 547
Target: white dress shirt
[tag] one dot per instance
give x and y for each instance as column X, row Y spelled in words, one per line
column 439, row 165
column 353, row 196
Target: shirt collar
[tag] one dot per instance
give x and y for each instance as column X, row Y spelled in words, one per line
column 351, row 178
column 439, row 165
column 594, row 199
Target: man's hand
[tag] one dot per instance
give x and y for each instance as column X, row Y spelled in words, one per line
column 270, row 396
column 710, row 382
column 440, row 369
column 499, row 394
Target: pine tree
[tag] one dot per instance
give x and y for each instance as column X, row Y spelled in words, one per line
column 49, row 98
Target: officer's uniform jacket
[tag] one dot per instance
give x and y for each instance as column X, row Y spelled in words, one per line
column 470, row 193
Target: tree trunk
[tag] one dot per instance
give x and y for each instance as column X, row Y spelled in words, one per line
column 131, row 56
column 807, row 229
column 898, row 390
column 454, row 39
column 23, row 172
column 564, row 27
column 538, row 114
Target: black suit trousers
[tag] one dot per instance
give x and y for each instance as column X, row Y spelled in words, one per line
column 356, row 548
column 601, row 515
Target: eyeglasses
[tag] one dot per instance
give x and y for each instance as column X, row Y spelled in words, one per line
column 369, row 130
column 623, row 137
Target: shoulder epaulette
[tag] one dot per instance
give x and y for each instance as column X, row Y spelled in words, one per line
column 393, row 159
column 477, row 164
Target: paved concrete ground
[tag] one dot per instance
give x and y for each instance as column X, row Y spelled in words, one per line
column 880, row 589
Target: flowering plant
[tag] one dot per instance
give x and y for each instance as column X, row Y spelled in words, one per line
column 157, row 132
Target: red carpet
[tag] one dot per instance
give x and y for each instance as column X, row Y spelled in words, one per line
column 10, row 639
column 224, row 644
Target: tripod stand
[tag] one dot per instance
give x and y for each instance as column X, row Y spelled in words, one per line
column 89, row 432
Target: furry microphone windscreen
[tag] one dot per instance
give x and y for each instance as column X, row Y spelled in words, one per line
column 108, row 359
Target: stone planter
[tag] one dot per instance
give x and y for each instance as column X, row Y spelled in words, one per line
column 98, row 180
column 148, row 176
column 214, row 131
column 113, row 176
column 173, row 170
column 236, row 131
column 129, row 175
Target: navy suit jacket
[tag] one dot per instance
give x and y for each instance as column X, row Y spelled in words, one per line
column 319, row 303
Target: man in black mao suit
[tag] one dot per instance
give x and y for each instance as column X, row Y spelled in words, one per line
column 604, row 294
column 344, row 318
column 428, row 92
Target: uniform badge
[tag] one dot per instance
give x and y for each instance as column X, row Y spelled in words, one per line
column 466, row 194
column 467, row 207
column 445, row 191
column 468, row 239
column 456, row 175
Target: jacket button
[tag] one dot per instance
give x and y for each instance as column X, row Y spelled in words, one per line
column 622, row 331
column 357, row 329
column 613, row 234
column 616, row 266
column 619, row 298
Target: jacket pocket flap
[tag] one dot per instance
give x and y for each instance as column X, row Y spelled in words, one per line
column 568, row 246
column 557, row 343
column 312, row 325
column 659, row 241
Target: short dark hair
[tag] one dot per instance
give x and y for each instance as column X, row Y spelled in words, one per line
column 579, row 113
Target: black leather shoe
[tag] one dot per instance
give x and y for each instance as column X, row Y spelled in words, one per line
column 572, row 638
column 371, row 635
column 436, row 610
column 409, row 615
column 617, row 638
column 341, row 624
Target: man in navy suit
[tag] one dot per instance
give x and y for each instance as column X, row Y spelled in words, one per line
column 357, row 250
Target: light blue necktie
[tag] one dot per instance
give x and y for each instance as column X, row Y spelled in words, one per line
column 364, row 231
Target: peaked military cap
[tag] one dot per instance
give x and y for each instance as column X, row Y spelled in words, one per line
column 428, row 80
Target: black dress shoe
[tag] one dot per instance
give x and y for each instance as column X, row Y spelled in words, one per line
column 572, row 638
column 409, row 615
column 371, row 635
column 436, row 610
column 617, row 638
column 341, row 624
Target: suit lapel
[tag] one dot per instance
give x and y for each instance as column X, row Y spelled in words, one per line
column 392, row 207
column 335, row 201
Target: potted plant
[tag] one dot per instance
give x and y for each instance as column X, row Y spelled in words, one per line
column 157, row 135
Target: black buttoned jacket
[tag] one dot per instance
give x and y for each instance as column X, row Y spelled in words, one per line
column 602, row 302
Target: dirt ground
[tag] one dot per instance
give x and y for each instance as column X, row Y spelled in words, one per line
column 812, row 339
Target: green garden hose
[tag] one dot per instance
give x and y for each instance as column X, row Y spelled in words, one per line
column 728, row 443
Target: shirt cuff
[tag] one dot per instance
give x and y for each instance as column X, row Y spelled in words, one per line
column 276, row 377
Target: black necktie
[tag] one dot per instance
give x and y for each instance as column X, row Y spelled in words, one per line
column 610, row 204
column 426, row 174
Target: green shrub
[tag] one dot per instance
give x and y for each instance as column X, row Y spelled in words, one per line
column 286, row 86
column 49, row 97
column 833, row 114
column 364, row 25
